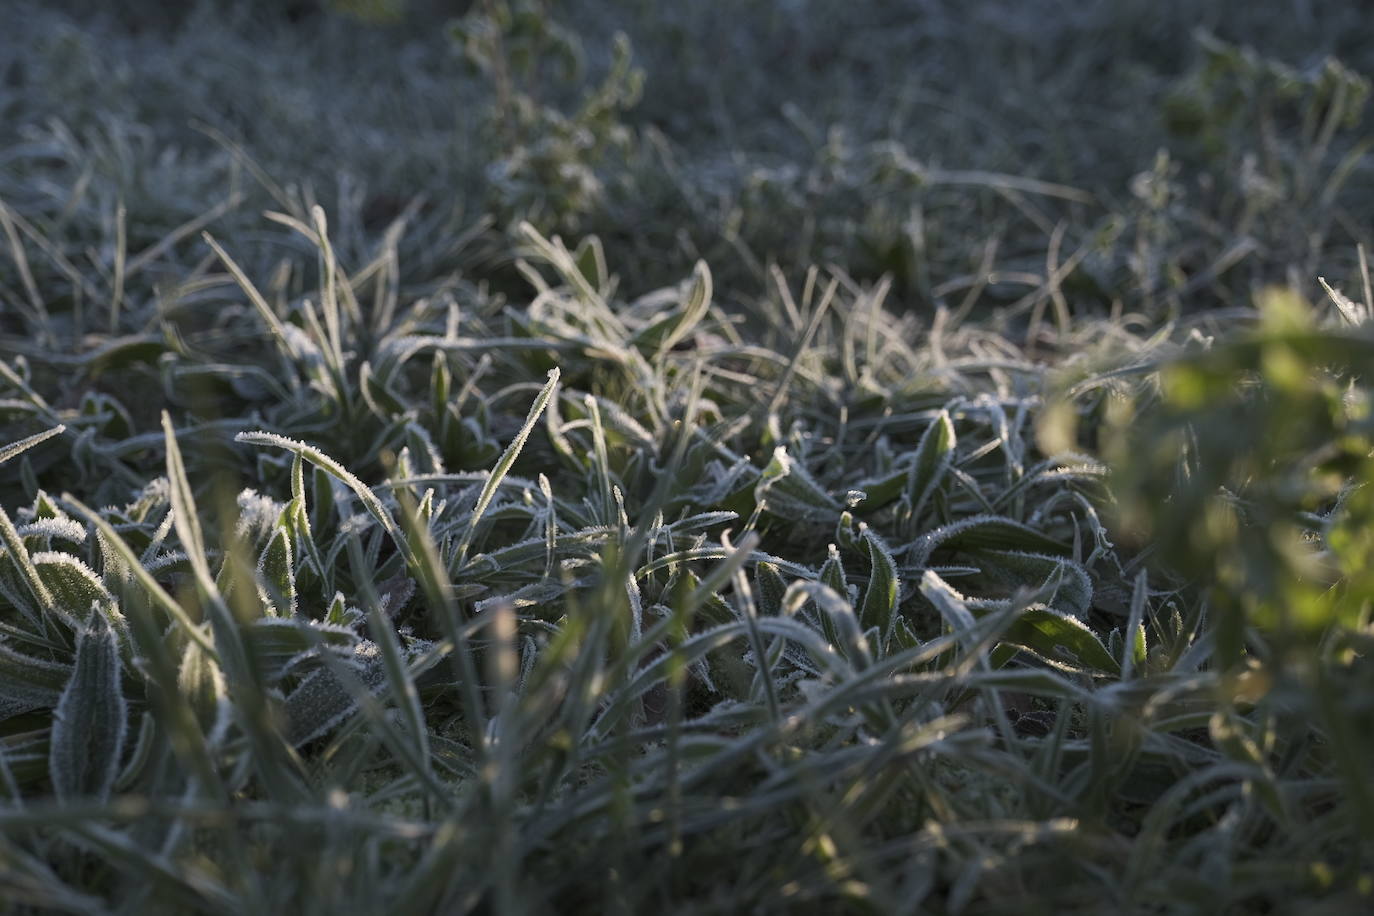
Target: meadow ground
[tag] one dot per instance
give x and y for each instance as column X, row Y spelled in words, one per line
column 728, row 456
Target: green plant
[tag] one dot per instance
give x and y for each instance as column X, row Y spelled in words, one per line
column 849, row 516
column 550, row 164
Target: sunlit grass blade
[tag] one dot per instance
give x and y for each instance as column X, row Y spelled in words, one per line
column 268, row 315
column 275, row 760
column 371, row 503
column 14, row 449
column 503, row 466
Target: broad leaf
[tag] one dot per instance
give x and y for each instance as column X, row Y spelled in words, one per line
column 90, row 721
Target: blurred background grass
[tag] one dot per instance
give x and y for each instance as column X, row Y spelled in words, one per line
column 1188, row 152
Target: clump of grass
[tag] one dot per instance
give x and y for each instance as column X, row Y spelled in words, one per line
column 422, row 562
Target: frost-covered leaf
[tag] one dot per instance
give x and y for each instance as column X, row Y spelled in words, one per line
column 91, row 719
column 119, row 552
column 1067, row 585
column 985, row 532
column 503, row 465
column 668, row 331
column 321, row 701
column 1353, row 312
column 63, row 528
column 1061, row 640
column 933, row 456
column 792, row 492
column 953, row 607
column 769, row 587
column 840, row 623
column 380, row 397
column 184, row 516
column 323, row 462
column 75, row 587
column 28, row 682
column 18, row 555
column 277, row 574
column 880, row 597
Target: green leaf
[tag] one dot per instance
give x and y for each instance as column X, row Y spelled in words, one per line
column 951, row 605
column 986, row 532
column 880, row 598
column 322, row 504
column 1135, row 652
column 590, row 258
column 561, row 260
column 90, row 721
column 1050, row 634
column 440, row 384
column 184, row 517
column 321, row 702
column 1071, row 588
column 838, row 619
column 904, row 637
column 74, row 586
column 277, row 572
column 19, row 555
column 339, row 613
column 383, row 401
column 503, row 466
column 131, row 562
column 832, row 577
column 122, row 352
column 933, row 456
column 299, row 523
column 770, row 587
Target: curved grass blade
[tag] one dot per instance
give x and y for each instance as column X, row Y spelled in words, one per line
column 319, row 459
column 273, row 757
column 693, row 310
column 278, row 329
column 19, row 553
column 503, row 465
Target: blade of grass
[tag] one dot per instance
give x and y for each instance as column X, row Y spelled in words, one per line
column 14, row 449
column 503, row 466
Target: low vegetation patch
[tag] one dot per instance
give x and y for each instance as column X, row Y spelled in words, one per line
column 734, row 458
